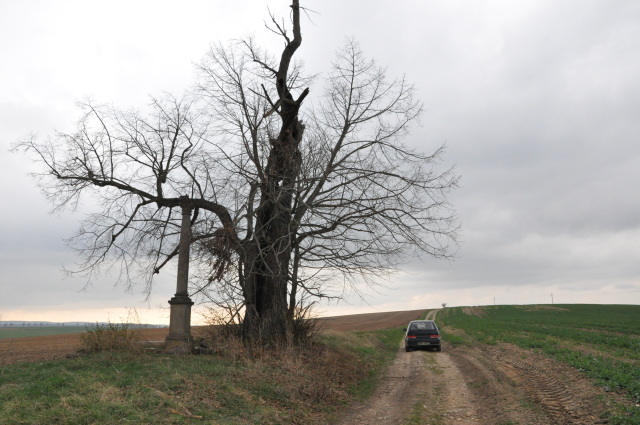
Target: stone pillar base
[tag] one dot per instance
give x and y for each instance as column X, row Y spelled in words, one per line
column 179, row 340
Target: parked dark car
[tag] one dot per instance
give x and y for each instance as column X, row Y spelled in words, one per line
column 422, row 334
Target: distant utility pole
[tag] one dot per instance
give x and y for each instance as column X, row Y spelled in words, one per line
column 552, row 298
column 494, row 300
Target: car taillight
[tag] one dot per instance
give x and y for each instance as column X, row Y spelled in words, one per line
column 411, row 336
column 434, row 336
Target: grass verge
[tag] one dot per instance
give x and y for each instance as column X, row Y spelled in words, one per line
column 294, row 386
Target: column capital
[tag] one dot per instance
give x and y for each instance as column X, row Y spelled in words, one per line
column 186, row 204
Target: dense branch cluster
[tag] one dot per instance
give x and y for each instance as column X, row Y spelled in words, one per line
column 291, row 204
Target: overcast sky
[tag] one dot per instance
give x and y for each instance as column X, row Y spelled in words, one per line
column 538, row 102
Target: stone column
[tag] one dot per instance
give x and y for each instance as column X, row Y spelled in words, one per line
column 179, row 340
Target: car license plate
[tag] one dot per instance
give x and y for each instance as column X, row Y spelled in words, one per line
column 423, row 343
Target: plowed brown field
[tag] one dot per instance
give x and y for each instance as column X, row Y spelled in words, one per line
column 33, row 349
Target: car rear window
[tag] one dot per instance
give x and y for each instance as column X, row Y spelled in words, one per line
column 426, row 326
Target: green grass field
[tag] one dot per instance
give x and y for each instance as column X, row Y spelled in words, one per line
column 297, row 386
column 603, row 341
column 24, row 331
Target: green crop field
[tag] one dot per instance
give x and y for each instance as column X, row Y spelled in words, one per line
column 603, row 341
column 23, row 331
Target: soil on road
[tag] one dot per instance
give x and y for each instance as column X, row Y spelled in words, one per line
column 472, row 386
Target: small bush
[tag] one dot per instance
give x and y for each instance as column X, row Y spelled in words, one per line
column 221, row 336
column 110, row 337
column 305, row 330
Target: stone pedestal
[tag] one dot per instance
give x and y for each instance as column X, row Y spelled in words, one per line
column 179, row 340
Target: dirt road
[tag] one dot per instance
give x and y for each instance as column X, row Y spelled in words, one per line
column 468, row 386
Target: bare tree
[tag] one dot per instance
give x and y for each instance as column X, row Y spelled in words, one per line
column 137, row 166
column 285, row 211
column 364, row 199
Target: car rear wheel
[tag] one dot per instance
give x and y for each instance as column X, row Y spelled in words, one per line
column 439, row 348
column 407, row 349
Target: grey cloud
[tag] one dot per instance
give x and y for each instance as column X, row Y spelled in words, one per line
column 537, row 101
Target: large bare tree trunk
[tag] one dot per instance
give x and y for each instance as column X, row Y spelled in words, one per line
column 267, row 318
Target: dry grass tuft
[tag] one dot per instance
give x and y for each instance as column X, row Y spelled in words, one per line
column 110, row 337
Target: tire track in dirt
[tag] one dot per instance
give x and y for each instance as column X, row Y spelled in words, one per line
column 458, row 405
column 419, row 383
column 520, row 386
column 496, row 397
column 405, row 379
column 480, row 385
column 476, row 391
column 566, row 397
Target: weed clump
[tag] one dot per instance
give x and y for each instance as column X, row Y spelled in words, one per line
column 223, row 335
column 110, row 337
